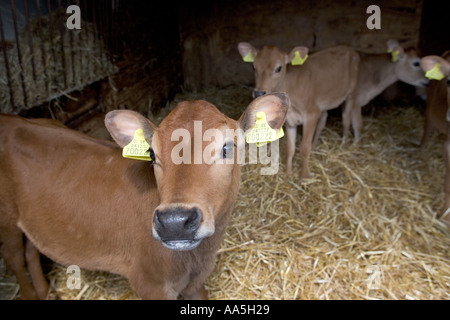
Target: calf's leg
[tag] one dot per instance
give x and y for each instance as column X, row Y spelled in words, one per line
column 309, row 127
column 291, row 136
column 14, row 254
column 320, row 126
column 34, row 267
column 195, row 293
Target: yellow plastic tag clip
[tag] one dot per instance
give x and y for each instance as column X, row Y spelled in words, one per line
column 435, row 73
column 138, row 148
column 249, row 57
column 298, row 60
column 262, row 133
column 394, row 54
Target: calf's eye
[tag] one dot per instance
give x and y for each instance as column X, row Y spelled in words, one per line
column 227, row 150
column 152, row 155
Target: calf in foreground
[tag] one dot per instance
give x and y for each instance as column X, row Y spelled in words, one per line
column 437, row 113
column 315, row 85
column 79, row 202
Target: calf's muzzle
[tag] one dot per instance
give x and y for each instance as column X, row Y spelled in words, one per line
column 177, row 227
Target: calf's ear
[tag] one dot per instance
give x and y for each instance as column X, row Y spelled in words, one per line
column 122, row 125
column 395, row 49
column 429, row 62
column 297, row 56
column 247, row 51
column 274, row 105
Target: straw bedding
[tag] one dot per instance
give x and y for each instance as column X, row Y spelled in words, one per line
column 364, row 226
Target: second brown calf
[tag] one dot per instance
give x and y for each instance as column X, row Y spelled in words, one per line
column 325, row 80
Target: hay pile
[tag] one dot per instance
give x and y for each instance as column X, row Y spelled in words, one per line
column 63, row 59
column 363, row 227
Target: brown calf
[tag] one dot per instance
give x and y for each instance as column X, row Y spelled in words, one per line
column 379, row 71
column 437, row 115
column 79, row 202
column 323, row 82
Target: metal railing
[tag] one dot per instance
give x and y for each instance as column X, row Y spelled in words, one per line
column 42, row 59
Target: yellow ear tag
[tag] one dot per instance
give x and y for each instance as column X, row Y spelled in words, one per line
column 435, row 73
column 138, row 148
column 262, row 133
column 249, row 57
column 298, row 60
column 394, row 54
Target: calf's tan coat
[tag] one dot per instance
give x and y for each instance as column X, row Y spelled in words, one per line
column 325, row 80
column 437, row 116
column 78, row 201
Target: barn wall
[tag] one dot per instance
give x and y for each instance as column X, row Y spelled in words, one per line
column 144, row 44
column 209, row 33
column 434, row 37
column 148, row 57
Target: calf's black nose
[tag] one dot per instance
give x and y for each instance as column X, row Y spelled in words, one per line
column 177, row 223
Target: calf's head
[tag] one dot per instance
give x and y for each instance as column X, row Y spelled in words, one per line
column 407, row 67
column 270, row 65
column 195, row 151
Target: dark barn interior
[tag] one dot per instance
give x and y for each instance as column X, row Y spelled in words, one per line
column 159, row 50
column 148, row 55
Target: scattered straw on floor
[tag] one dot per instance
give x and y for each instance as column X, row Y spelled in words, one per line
column 363, row 227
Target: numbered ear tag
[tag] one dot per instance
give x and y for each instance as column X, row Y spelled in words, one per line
column 249, row 57
column 394, row 54
column 298, row 60
column 262, row 133
column 435, row 73
column 138, row 148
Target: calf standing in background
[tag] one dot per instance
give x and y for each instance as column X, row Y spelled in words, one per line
column 379, row 71
column 159, row 224
column 437, row 114
column 325, row 80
